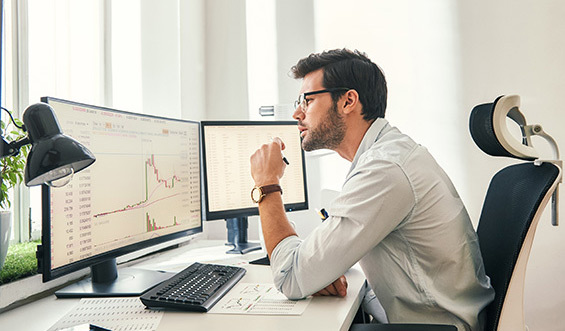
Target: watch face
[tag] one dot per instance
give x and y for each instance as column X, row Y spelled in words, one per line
column 256, row 194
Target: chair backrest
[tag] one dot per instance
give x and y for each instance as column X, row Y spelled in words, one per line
column 515, row 200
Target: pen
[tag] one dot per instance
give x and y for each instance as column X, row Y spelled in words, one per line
column 282, row 154
column 284, row 158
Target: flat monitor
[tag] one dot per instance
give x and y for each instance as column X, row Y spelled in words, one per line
column 144, row 189
column 226, row 149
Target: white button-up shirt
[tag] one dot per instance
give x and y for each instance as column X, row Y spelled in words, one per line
column 400, row 217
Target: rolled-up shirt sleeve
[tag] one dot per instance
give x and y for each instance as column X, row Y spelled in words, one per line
column 376, row 197
column 283, row 258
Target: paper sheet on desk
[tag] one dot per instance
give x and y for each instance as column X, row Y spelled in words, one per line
column 116, row 314
column 258, row 299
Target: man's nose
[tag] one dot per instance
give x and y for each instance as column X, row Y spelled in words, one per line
column 298, row 114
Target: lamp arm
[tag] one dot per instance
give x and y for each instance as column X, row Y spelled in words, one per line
column 13, row 148
column 22, row 127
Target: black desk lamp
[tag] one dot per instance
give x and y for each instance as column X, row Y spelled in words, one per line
column 53, row 155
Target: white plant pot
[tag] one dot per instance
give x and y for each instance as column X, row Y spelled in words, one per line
column 5, row 227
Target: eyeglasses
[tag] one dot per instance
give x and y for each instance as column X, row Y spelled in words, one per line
column 302, row 102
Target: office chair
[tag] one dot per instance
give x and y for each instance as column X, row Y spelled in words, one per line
column 514, row 203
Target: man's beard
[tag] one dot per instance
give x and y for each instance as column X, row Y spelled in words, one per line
column 328, row 135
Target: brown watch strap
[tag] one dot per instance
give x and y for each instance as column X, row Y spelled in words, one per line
column 271, row 188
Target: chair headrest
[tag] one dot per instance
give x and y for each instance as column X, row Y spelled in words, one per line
column 489, row 129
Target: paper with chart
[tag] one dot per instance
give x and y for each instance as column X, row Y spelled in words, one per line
column 259, row 299
column 116, row 314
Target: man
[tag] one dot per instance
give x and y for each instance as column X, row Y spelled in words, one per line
column 398, row 213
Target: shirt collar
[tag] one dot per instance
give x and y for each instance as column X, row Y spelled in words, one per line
column 370, row 137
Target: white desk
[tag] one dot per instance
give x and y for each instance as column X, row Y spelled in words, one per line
column 323, row 313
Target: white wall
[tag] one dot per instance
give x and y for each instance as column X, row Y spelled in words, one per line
column 261, row 55
column 160, row 60
column 192, row 59
column 226, row 60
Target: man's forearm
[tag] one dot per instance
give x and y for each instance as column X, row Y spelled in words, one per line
column 274, row 222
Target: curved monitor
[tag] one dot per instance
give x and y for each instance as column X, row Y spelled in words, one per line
column 143, row 190
column 226, row 149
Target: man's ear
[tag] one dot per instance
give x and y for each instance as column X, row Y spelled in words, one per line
column 351, row 101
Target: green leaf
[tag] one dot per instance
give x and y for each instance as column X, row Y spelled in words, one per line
column 12, row 167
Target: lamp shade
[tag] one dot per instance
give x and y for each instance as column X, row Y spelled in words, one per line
column 53, row 155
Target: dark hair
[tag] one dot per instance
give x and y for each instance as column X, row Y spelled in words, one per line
column 351, row 69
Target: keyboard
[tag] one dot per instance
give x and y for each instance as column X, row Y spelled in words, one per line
column 197, row 288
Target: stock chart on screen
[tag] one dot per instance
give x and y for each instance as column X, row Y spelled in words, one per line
column 144, row 184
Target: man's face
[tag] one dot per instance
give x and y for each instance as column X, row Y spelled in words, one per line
column 320, row 124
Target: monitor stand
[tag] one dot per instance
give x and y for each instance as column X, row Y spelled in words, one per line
column 237, row 236
column 105, row 281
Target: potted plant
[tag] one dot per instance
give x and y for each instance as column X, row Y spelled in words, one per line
column 12, row 168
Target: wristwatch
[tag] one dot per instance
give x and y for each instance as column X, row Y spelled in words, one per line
column 259, row 192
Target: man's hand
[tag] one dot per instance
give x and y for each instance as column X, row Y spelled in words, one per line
column 267, row 165
column 337, row 288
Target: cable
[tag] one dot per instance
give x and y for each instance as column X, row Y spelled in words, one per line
column 12, row 118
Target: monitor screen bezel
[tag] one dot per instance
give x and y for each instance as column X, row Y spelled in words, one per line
column 44, row 256
column 253, row 211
